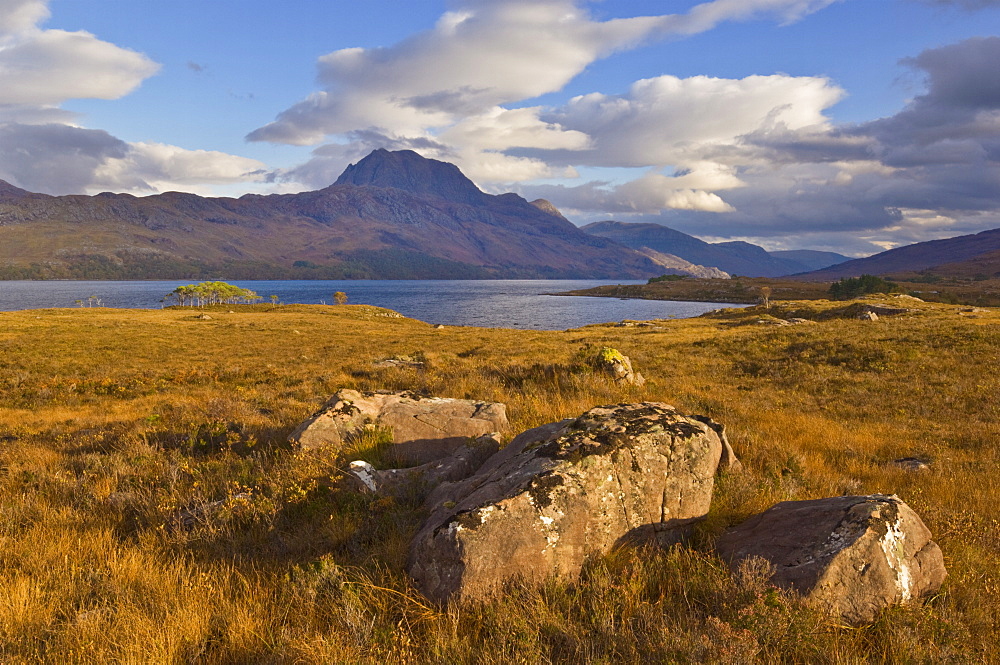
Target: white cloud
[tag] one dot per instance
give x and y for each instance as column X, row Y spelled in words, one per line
column 59, row 159
column 450, row 84
column 19, row 15
column 44, row 67
column 669, row 120
column 41, row 146
column 163, row 167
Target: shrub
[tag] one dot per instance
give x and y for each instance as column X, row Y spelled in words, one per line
column 667, row 278
column 852, row 287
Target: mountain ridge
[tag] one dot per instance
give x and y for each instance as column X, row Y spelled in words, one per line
column 950, row 254
column 393, row 215
column 735, row 257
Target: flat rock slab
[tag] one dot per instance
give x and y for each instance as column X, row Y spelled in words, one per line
column 424, row 429
column 850, row 555
column 415, row 483
column 563, row 492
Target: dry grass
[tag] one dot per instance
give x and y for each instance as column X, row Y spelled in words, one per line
column 122, row 430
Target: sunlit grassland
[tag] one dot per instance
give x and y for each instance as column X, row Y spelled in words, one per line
column 115, row 424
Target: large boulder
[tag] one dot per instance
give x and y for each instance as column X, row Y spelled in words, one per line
column 850, row 555
column 563, row 492
column 423, row 428
column 618, row 367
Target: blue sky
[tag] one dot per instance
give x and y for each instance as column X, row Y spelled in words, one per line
column 848, row 125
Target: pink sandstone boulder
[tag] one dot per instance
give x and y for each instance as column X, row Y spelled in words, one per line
column 423, row 428
column 850, row 555
column 563, row 492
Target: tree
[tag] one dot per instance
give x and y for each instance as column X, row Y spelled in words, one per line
column 340, row 298
column 211, row 293
column 274, row 300
column 852, row 287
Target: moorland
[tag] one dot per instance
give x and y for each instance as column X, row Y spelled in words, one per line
column 929, row 287
column 118, row 426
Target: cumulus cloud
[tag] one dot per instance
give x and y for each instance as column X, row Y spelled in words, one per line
column 58, row 159
column 43, row 149
column 669, row 120
column 451, row 83
column 51, row 66
column 931, row 170
column 19, row 15
column 942, row 151
column 54, row 158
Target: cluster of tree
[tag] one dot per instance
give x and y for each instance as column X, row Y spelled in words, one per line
column 666, row 278
column 212, row 293
column 852, row 287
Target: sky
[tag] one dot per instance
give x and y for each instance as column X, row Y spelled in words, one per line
column 842, row 125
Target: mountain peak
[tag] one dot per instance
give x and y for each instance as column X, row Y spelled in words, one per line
column 409, row 171
column 546, row 206
column 9, row 191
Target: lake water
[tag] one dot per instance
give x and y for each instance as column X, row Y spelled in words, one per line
column 483, row 303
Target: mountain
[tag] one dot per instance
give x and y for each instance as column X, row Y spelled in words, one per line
column 811, row 259
column 674, row 265
column 10, row 192
column 393, row 215
column 739, row 258
column 967, row 255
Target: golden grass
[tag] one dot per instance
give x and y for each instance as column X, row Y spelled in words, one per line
column 115, row 423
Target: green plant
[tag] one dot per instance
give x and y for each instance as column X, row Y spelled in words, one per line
column 212, row 293
column 852, row 287
column 667, row 278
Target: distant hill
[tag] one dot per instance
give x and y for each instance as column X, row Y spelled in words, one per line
column 961, row 256
column 393, row 215
column 738, row 258
column 811, row 259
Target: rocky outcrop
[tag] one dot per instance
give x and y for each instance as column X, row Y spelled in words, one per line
column 562, row 492
column 423, row 428
column 851, row 555
column 675, row 265
column 618, row 367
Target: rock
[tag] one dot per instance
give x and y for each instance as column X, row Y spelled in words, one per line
column 417, row 482
column 401, row 361
column 563, row 492
column 423, row 428
column 204, row 317
column 882, row 310
column 618, row 367
column 728, row 461
column 798, row 321
column 910, row 464
column 773, row 322
column 853, row 556
column 868, row 316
